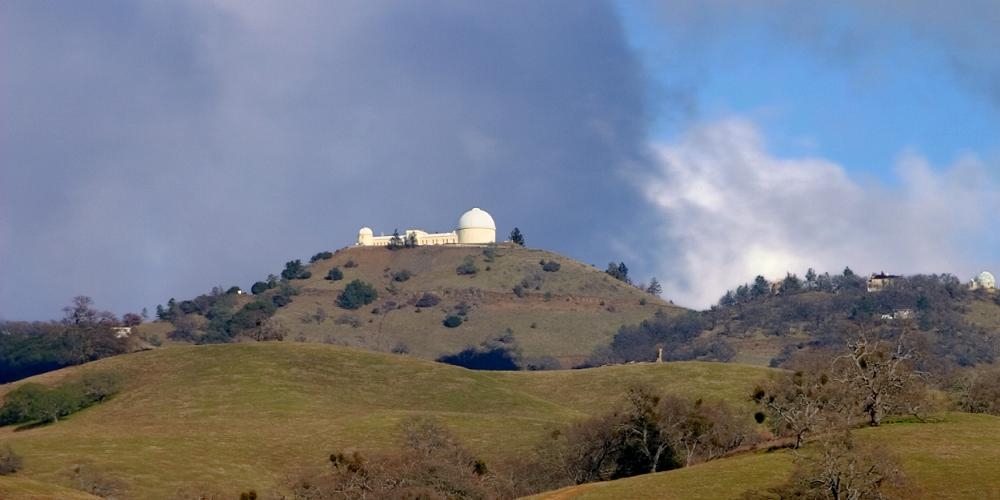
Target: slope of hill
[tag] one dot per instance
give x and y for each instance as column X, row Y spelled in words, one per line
column 228, row 418
column 562, row 314
column 955, row 458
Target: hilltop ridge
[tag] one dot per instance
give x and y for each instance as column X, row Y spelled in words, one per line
column 556, row 314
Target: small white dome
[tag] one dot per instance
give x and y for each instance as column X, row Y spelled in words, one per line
column 476, row 218
column 986, row 280
column 366, row 231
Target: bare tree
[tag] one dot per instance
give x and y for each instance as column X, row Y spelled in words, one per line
column 799, row 403
column 878, row 373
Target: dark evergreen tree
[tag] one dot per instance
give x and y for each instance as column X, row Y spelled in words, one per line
column 516, row 237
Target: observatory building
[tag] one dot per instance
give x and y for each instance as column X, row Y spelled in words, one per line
column 985, row 281
column 475, row 227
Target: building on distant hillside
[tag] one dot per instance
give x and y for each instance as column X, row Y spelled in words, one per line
column 877, row 282
column 475, row 227
column 985, row 281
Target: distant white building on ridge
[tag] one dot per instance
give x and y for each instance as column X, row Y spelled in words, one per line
column 985, row 281
column 475, row 227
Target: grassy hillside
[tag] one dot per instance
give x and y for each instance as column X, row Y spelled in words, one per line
column 955, row 458
column 563, row 314
column 227, row 418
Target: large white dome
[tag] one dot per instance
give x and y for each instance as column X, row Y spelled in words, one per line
column 476, row 219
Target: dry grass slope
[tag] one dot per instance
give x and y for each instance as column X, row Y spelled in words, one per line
column 226, row 418
column 571, row 312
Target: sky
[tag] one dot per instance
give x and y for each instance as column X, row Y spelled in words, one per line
column 152, row 149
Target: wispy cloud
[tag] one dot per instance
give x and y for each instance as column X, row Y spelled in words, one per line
column 731, row 210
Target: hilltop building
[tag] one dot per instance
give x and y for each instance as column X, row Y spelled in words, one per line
column 475, row 227
column 985, row 281
column 878, row 282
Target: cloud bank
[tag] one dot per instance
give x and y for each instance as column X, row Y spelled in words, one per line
column 155, row 149
column 731, row 210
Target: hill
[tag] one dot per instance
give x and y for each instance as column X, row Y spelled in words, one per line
column 557, row 317
column 955, row 458
column 220, row 419
column 953, row 325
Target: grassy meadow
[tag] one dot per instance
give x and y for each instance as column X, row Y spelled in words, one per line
column 957, row 457
column 220, row 419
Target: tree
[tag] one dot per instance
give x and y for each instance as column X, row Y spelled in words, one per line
column 619, row 272
column 294, row 270
column 654, row 287
column 798, row 404
column 760, row 287
column 357, row 294
column 811, row 278
column 259, row 288
column 791, row 284
column 516, row 237
column 841, row 469
column 878, row 374
column 131, row 319
column 396, row 242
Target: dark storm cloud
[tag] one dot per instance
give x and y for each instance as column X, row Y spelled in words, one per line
column 154, row 149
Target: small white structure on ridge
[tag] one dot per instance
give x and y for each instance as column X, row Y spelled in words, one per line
column 985, row 281
column 475, row 227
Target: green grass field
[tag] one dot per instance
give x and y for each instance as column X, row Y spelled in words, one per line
column 956, row 458
column 221, row 419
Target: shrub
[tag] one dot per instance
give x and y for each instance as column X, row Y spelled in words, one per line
column 294, row 270
column 550, row 266
column 427, row 300
column 357, row 294
column 401, row 276
column 467, row 268
column 321, row 256
column 281, row 300
column 497, row 358
column 260, row 287
column 350, row 263
column 519, row 291
column 10, row 462
column 335, row 274
column 452, row 321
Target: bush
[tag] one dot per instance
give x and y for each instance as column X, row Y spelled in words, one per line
column 281, row 300
column 10, row 462
column 467, row 268
column 452, row 321
column 497, row 358
column 294, row 270
column 519, row 291
column 550, row 266
column 401, row 276
column 335, row 274
column 427, row 300
column 350, row 263
column 321, row 256
column 357, row 294
column 260, row 287
column 36, row 403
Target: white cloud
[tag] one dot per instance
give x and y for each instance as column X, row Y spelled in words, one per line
column 730, row 210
